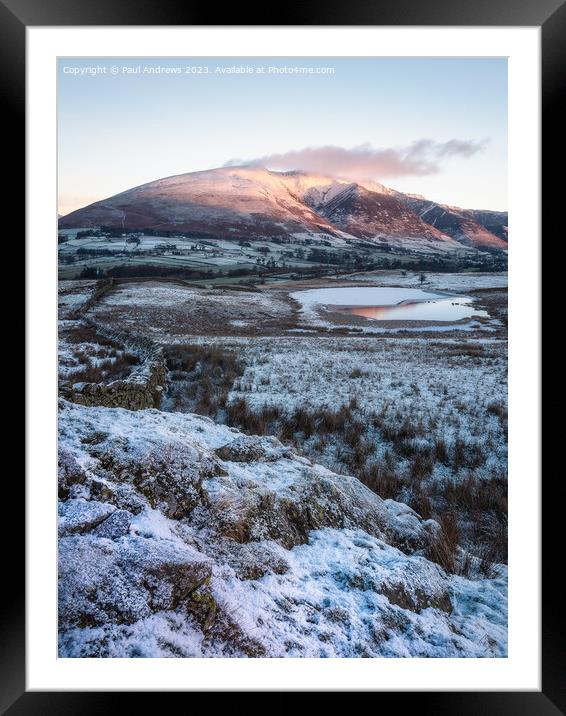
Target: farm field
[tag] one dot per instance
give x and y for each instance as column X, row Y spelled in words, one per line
column 221, row 256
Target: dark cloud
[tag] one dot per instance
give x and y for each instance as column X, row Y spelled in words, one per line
column 364, row 162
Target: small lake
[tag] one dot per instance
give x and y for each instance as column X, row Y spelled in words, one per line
column 392, row 304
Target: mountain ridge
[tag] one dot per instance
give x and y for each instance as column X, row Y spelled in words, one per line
column 255, row 203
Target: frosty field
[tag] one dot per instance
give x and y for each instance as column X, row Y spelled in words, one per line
column 282, row 369
column 307, row 483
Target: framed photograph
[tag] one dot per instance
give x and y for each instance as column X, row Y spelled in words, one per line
column 283, row 354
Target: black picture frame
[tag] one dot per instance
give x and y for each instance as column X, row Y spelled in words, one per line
column 550, row 15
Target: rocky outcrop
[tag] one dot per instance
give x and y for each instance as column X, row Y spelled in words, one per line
column 120, row 582
column 252, row 448
column 69, row 472
column 287, row 511
column 181, row 537
column 80, row 515
column 117, row 525
column 166, row 477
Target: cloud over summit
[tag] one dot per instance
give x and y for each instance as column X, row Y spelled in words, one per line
column 365, row 162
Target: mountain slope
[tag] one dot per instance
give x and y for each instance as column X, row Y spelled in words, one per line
column 373, row 215
column 245, row 203
column 475, row 228
column 494, row 221
column 255, row 203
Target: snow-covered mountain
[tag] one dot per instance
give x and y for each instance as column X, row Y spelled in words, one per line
column 476, row 228
column 255, row 203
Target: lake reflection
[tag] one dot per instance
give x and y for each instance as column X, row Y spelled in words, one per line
column 442, row 309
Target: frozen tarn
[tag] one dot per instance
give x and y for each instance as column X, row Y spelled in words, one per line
column 410, row 309
column 362, row 296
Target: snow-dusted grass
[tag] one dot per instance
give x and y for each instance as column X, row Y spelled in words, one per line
column 87, row 357
column 425, row 420
column 93, row 363
column 168, row 312
column 304, row 560
column 169, row 295
column 415, row 376
column 467, row 281
column 72, row 295
column 450, row 381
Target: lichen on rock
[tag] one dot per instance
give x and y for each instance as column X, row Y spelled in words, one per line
column 180, row 537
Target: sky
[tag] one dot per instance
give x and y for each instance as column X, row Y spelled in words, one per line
column 430, row 126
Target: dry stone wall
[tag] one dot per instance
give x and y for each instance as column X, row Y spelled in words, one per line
column 142, row 389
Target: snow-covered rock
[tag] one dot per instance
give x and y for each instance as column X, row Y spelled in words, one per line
column 117, row 525
column 251, row 448
column 81, row 515
column 237, row 546
column 102, row 581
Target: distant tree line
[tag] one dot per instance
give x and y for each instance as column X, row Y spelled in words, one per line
column 336, row 264
column 151, row 270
